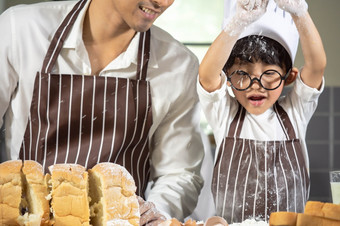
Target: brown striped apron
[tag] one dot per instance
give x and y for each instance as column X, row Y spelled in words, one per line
column 254, row 178
column 89, row 119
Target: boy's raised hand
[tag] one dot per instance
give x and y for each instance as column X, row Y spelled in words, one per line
column 247, row 11
column 295, row 7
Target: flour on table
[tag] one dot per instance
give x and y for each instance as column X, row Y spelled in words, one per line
column 250, row 223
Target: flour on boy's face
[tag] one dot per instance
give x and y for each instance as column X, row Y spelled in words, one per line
column 256, row 100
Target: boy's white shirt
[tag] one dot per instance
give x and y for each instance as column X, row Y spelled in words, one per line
column 220, row 109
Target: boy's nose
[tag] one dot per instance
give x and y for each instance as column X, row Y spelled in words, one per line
column 255, row 83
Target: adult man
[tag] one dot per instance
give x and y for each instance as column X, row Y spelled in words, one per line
column 138, row 107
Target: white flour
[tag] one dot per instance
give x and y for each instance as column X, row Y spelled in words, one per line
column 250, row 223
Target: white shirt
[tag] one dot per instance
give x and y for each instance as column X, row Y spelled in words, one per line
column 300, row 103
column 176, row 146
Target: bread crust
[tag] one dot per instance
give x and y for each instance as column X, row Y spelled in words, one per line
column 305, row 219
column 36, row 190
column 10, row 191
column 116, row 199
column 22, row 184
column 65, row 193
column 283, row 218
column 315, row 214
column 325, row 210
column 69, row 193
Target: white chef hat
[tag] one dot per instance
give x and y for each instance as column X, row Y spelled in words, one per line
column 276, row 24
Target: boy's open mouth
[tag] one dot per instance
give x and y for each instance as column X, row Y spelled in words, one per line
column 256, row 100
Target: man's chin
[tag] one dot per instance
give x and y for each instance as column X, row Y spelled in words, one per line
column 142, row 28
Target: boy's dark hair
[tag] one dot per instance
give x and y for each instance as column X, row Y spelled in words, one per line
column 256, row 47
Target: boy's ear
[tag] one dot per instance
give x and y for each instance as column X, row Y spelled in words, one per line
column 292, row 76
column 226, row 74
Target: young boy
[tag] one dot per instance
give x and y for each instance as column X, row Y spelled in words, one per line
column 261, row 164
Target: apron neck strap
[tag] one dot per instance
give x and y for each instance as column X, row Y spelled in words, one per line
column 237, row 123
column 143, row 55
column 60, row 36
column 285, row 122
column 65, row 27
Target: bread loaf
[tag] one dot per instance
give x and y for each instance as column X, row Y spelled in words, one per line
column 283, row 218
column 113, row 199
column 299, row 219
column 36, row 192
column 315, row 214
column 10, row 192
column 324, row 210
column 69, row 193
column 309, row 220
column 23, row 194
column 29, row 197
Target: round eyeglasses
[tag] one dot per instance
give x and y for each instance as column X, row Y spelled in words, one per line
column 269, row 80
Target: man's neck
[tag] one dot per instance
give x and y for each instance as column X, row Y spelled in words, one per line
column 102, row 24
column 105, row 37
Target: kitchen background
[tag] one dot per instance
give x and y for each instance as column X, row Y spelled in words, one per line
column 197, row 22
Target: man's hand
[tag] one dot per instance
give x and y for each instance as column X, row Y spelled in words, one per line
column 149, row 215
column 294, row 7
column 247, row 11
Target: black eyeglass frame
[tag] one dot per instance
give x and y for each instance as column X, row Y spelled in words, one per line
column 258, row 79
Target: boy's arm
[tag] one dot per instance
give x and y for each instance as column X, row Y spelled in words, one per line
column 214, row 60
column 311, row 43
column 247, row 11
column 312, row 49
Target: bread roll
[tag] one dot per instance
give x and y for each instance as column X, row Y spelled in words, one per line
column 325, row 210
column 113, row 198
column 315, row 214
column 69, row 193
column 35, row 194
column 309, row 220
column 10, row 192
column 283, row 218
column 23, row 191
column 28, row 197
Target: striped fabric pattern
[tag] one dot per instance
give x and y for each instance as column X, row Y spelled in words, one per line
column 254, row 178
column 90, row 119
